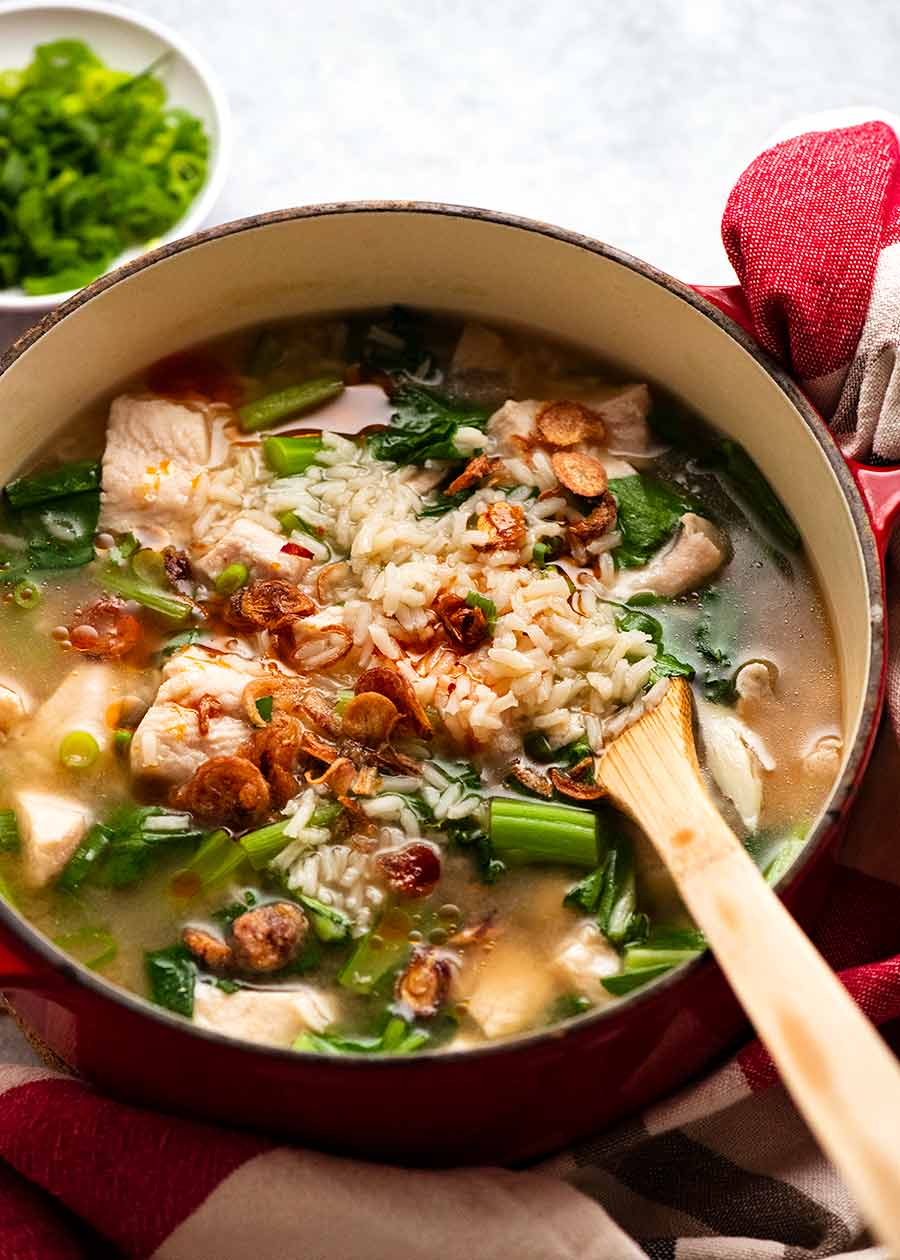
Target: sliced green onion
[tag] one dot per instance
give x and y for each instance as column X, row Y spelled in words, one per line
column 524, row 832
column 291, row 523
column 27, row 594
column 272, row 408
column 75, row 478
column 78, row 750
column 288, row 456
column 546, row 550
column 264, row 844
column 232, row 578
column 487, row 606
column 95, row 947
column 10, row 840
column 122, row 742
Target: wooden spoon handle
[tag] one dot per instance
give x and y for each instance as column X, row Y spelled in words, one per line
column 839, row 1071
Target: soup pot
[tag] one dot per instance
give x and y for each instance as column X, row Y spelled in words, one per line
column 512, row 1100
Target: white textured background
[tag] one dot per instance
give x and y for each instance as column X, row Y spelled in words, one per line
column 627, row 120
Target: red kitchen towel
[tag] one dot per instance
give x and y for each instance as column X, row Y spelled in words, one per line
column 725, row 1170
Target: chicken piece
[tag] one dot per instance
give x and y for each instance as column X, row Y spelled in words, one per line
column 736, row 758
column 155, row 450
column 696, row 552
column 482, row 363
column 505, row 991
column 80, row 703
column 624, row 413
column 272, row 1017
column 515, row 420
column 585, row 959
column 15, row 705
column 52, row 827
column 753, row 684
column 196, row 672
column 169, row 744
column 259, row 548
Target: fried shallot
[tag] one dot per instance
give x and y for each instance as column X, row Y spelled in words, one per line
column 504, row 524
column 477, row 469
column 581, row 474
column 270, row 604
column 391, row 683
column 369, row 718
column 412, row 871
column 567, row 423
column 466, row 627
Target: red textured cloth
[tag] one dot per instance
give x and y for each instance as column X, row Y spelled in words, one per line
column 725, row 1170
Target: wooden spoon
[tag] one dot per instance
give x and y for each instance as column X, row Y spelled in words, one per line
column 833, row 1062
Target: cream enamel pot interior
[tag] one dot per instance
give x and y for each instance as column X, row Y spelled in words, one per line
column 511, row 1100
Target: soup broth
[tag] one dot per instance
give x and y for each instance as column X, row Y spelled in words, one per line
column 309, row 643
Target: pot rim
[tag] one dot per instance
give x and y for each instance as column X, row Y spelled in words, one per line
column 841, row 795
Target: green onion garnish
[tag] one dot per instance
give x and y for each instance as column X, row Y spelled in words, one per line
column 232, row 579
column 264, row 708
column 287, row 456
column 27, row 594
column 295, row 400
column 487, row 606
column 78, row 750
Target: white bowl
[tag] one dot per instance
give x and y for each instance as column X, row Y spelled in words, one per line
column 124, row 41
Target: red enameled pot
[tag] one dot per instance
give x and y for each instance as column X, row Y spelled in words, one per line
column 510, row 1101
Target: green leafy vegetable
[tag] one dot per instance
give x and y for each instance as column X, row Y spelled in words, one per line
column 423, row 427
column 394, row 345
column 443, row 503
column 648, row 514
column 218, row 857
column 172, row 974
column 330, row 926
column 58, row 483
column 528, row 832
column 397, row 1037
column 178, row 641
column 264, row 844
column 661, row 950
column 264, row 708
column 121, row 851
column 487, row 606
column 666, row 665
column 118, row 580
column 10, row 841
column 567, row 1006
column 716, row 640
column 95, row 947
column 92, row 161
column 376, row 955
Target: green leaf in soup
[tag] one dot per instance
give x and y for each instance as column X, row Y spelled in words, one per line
column 667, row 665
column 755, row 490
column 423, row 427
column 716, row 640
column 58, row 534
column 649, row 511
column 171, row 975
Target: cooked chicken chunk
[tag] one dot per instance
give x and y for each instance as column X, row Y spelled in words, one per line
column 169, row 743
column 80, row 703
column 155, row 450
column 624, row 414
column 52, row 827
column 695, row 554
column 198, row 672
column 505, row 991
column 15, row 705
column 736, row 758
column 272, row 1017
column 585, row 958
column 259, row 548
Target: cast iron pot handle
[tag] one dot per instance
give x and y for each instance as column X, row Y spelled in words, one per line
column 878, row 485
